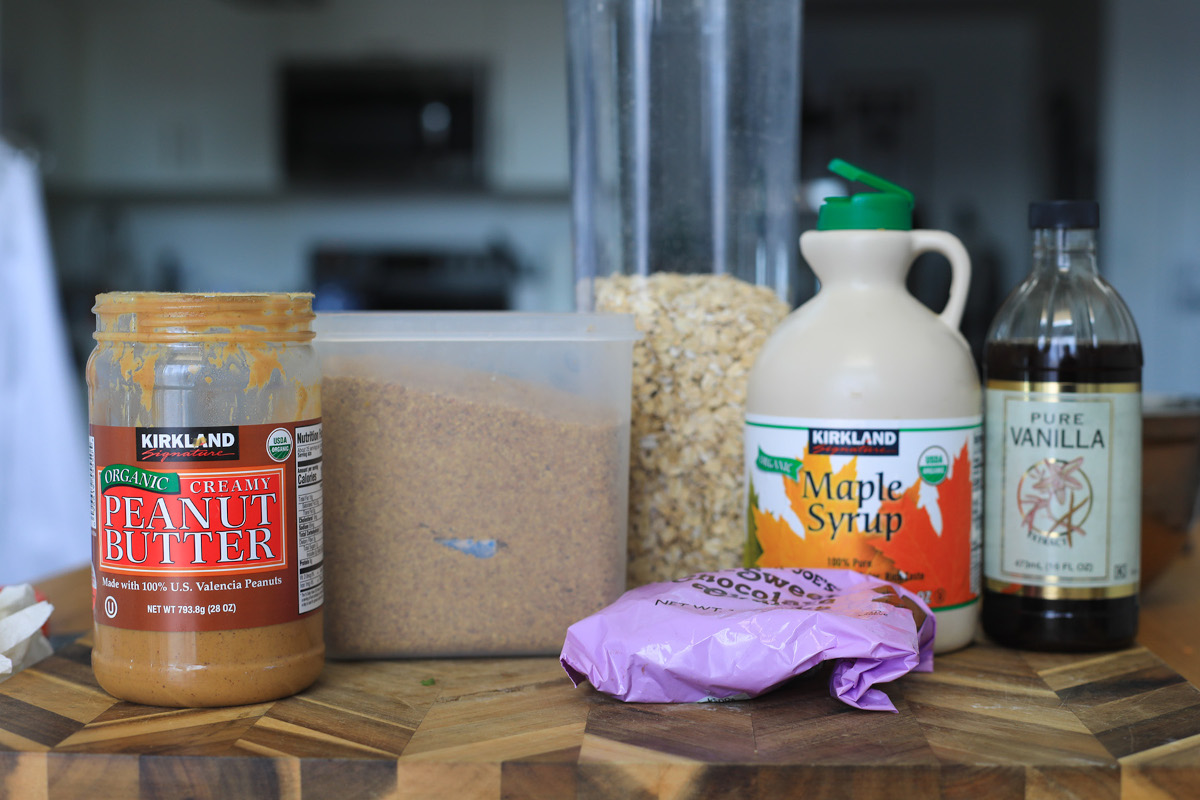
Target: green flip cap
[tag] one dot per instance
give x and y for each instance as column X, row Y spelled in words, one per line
column 890, row 208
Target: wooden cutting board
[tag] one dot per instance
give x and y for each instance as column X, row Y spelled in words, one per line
column 988, row 723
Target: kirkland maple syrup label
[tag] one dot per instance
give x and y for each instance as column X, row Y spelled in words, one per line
column 897, row 499
column 1063, row 489
column 208, row 528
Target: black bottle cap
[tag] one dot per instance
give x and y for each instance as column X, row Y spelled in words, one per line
column 1064, row 214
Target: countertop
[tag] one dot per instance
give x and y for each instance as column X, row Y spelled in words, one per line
column 988, row 722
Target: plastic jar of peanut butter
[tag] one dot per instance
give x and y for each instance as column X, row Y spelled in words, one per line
column 205, row 428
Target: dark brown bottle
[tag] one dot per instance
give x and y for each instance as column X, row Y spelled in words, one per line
column 1063, row 367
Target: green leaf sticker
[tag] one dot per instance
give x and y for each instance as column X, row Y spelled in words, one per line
column 138, row 478
column 785, row 466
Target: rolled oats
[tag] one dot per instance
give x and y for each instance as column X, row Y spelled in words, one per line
column 702, row 334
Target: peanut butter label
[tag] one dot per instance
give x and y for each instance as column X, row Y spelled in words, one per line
column 198, row 529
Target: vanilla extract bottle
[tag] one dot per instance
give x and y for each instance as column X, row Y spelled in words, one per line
column 1062, row 369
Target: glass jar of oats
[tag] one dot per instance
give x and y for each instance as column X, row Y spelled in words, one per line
column 685, row 143
column 205, row 426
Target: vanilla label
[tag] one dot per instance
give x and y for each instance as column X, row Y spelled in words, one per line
column 1063, row 486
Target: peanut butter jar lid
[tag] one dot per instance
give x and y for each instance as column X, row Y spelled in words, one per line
column 216, row 316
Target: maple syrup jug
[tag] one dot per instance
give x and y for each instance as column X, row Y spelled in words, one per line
column 863, row 434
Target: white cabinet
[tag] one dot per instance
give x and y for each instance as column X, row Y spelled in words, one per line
column 176, row 95
column 529, row 96
column 180, row 95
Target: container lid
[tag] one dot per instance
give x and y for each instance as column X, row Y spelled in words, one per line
column 235, row 317
column 1064, row 214
column 890, row 208
column 473, row 326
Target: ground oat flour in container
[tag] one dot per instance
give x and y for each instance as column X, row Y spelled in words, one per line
column 472, row 512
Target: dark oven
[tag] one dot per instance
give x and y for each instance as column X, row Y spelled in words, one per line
column 397, row 278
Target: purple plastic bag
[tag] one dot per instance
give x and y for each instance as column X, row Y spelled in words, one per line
column 735, row 634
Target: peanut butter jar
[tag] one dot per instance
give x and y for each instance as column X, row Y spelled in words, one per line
column 204, row 417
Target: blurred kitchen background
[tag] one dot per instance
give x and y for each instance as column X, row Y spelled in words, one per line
column 414, row 154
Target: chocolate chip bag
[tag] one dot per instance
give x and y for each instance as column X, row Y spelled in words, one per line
column 735, row 634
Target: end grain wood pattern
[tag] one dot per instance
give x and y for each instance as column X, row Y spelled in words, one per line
column 987, row 723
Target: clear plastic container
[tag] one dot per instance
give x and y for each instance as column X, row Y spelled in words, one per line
column 685, row 139
column 476, row 475
column 205, row 427
column 684, row 147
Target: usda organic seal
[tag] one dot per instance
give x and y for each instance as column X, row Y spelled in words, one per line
column 933, row 465
column 279, row 444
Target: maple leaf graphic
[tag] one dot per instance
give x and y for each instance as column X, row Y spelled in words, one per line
column 1058, row 478
column 941, row 560
column 780, row 546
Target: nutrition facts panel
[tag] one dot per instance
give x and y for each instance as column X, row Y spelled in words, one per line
column 310, row 547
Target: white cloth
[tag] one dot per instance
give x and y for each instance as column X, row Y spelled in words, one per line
column 22, row 616
column 45, row 522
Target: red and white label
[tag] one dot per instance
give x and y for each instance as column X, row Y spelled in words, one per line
column 181, row 546
column 220, row 522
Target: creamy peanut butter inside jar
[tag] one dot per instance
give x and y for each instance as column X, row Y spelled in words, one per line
column 207, row 551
